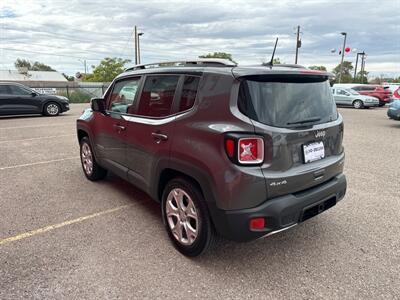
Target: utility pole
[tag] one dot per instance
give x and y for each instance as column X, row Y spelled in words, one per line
column 84, row 62
column 341, row 62
column 136, row 46
column 298, row 44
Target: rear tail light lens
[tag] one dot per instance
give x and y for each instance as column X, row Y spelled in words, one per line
column 230, row 148
column 257, row 223
column 250, row 150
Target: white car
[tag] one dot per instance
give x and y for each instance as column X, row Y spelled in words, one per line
column 350, row 97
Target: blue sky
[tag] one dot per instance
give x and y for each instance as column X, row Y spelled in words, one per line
column 65, row 33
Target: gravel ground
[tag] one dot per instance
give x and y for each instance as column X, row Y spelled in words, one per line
column 116, row 247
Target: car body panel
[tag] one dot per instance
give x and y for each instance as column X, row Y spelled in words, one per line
column 343, row 96
column 192, row 144
column 29, row 102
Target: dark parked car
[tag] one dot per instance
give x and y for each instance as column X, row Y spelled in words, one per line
column 382, row 93
column 18, row 99
column 394, row 110
column 240, row 152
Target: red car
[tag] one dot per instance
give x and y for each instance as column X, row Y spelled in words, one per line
column 382, row 93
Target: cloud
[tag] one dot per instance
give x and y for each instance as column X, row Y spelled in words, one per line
column 59, row 33
column 6, row 12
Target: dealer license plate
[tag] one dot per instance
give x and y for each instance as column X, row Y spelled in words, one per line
column 314, row 151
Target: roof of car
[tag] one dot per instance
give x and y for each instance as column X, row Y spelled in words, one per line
column 221, row 67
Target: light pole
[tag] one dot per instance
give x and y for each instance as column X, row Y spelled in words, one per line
column 341, row 62
column 84, row 64
column 355, row 69
column 138, row 45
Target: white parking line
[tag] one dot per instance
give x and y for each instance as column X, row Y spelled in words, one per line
column 34, row 126
column 38, row 163
column 59, row 225
column 37, row 138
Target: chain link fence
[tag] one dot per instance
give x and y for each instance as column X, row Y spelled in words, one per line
column 76, row 92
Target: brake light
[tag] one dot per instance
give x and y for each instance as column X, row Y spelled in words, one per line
column 250, row 150
column 230, row 147
column 257, row 223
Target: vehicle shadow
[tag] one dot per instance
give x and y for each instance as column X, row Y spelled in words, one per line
column 281, row 248
column 33, row 116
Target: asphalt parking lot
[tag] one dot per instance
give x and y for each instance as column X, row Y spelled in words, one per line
column 63, row 237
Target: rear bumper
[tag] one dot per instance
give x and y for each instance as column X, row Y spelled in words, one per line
column 371, row 104
column 280, row 213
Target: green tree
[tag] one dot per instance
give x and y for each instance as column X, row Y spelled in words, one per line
column 69, row 78
column 107, row 70
column 36, row 66
column 222, row 55
column 362, row 77
column 346, row 72
column 319, row 68
column 22, row 63
column 276, row 61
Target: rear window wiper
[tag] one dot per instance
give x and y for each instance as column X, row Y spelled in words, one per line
column 304, row 121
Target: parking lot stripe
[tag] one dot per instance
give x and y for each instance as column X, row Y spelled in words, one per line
column 37, row 138
column 34, row 126
column 56, row 226
column 38, row 163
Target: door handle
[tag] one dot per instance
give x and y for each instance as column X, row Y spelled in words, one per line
column 159, row 136
column 119, row 127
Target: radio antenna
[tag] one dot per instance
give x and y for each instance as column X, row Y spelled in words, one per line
column 271, row 62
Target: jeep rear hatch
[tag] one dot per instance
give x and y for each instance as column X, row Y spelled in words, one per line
column 298, row 120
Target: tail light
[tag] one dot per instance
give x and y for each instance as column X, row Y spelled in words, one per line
column 251, row 150
column 246, row 151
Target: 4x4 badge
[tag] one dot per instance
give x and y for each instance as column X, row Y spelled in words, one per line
column 320, row 134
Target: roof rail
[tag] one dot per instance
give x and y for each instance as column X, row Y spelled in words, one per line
column 290, row 66
column 200, row 62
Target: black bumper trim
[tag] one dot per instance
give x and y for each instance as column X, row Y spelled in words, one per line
column 280, row 212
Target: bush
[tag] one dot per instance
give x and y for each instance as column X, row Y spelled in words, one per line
column 77, row 96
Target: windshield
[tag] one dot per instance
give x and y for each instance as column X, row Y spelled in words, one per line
column 288, row 102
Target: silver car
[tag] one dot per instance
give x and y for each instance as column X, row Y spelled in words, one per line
column 351, row 97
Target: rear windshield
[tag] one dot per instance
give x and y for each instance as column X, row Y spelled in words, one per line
column 288, row 102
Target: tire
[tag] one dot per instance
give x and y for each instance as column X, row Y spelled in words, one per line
column 51, row 109
column 358, row 104
column 184, row 208
column 90, row 167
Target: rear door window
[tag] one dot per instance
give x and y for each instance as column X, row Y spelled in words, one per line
column 4, row 89
column 19, row 91
column 288, row 101
column 158, row 95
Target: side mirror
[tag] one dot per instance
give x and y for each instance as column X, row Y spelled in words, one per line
column 33, row 94
column 98, row 104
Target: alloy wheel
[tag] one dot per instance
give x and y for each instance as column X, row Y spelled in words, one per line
column 52, row 109
column 87, row 158
column 182, row 217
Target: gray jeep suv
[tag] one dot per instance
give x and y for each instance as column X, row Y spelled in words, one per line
column 237, row 152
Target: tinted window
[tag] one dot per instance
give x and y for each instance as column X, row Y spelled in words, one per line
column 157, row 96
column 342, row 92
column 4, row 89
column 16, row 90
column 123, row 95
column 284, row 102
column 189, row 91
